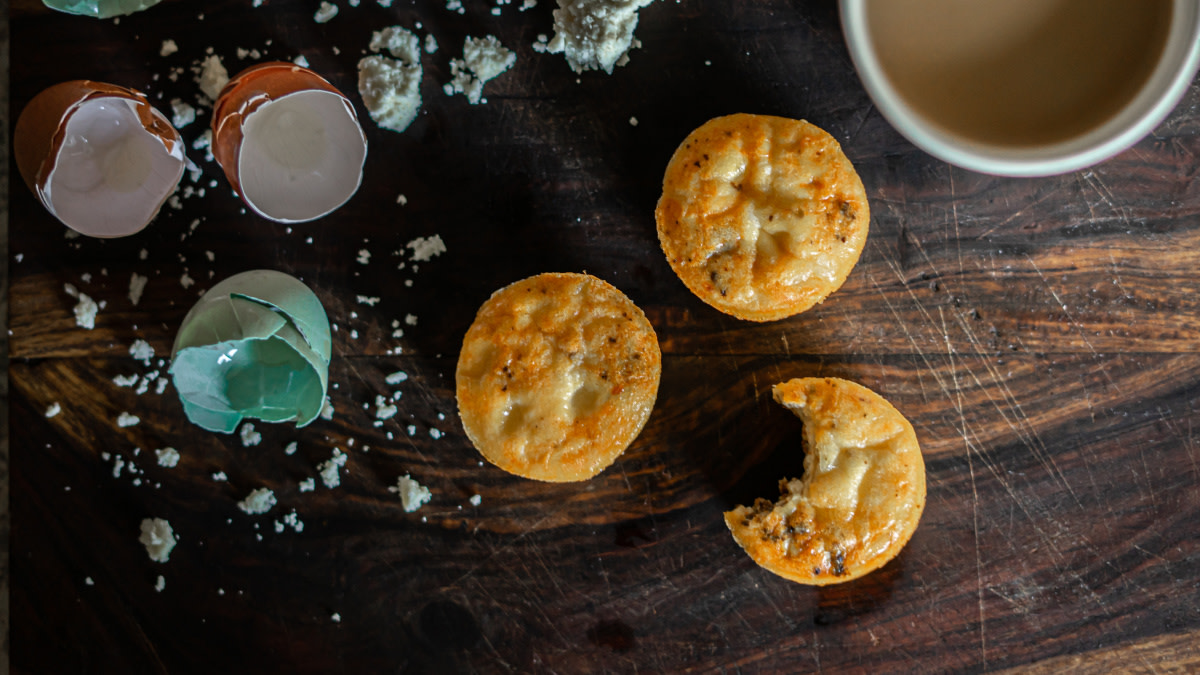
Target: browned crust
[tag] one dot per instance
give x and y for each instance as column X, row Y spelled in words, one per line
column 813, row 535
column 529, row 339
column 746, row 245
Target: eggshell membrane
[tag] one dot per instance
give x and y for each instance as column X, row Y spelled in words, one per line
column 244, row 94
column 41, row 128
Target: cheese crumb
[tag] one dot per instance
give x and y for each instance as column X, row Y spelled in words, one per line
column 476, row 500
column 213, row 77
column 391, row 88
column 426, row 248
column 182, row 114
column 595, row 34
column 292, row 520
column 383, row 409
column 53, row 409
column 168, row 457
column 329, row 469
column 336, row 618
column 204, row 142
column 220, row 477
column 396, row 377
column 413, row 495
column 483, row 59
column 160, row 583
column 325, row 12
column 258, row 501
column 327, row 409
column 431, row 44
column 85, row 310
column 127, row 420
column 158, row 538
column 249, row 435
column 168, row 48
column 291, row 448
column 142, row 351
column 137, row 284
column 308, row 485
column 125, row 380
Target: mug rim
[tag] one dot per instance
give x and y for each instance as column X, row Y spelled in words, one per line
column 1157, row 97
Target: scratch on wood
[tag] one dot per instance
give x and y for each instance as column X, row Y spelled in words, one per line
column 1020, row 211
column 962, row 421
column 1025, row 431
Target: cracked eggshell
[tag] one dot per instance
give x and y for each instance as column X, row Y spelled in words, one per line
column 289, row 142
column 257, row 345
column 78, row 149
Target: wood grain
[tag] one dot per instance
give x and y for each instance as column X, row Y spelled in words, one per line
column 1041, row 334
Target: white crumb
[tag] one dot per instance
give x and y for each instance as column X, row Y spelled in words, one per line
column 383, row 409
column 329, row 469
column 168, row 48
column 160, row 583
column 595, row 34
column 291, row 520
column 127, row 420
column 325, row 12
column 308, row 485
column 213, row 77
column 204, row 142
column 220, row 477
column 182, row 114
column 391, row 87
column 258, row 501
column 396, row 377
column 413, row 495
column 85, row 310
column 137, row 284
column 249, row 435
column 125, row 380
column 158, row 538
column 142, row 351
column 53, row 409
column 290, row 449
column 426, row 248
column 476, row 500
column 168, row 457
column 483, row 59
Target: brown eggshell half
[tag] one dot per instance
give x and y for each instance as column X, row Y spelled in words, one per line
column 41, row 127
column 243, row 95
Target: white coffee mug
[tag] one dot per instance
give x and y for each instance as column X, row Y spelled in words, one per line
column 966, row 80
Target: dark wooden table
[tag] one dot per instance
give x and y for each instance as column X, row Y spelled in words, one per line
column 1041, row 334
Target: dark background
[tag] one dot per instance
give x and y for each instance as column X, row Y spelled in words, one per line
column 1040, row 334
